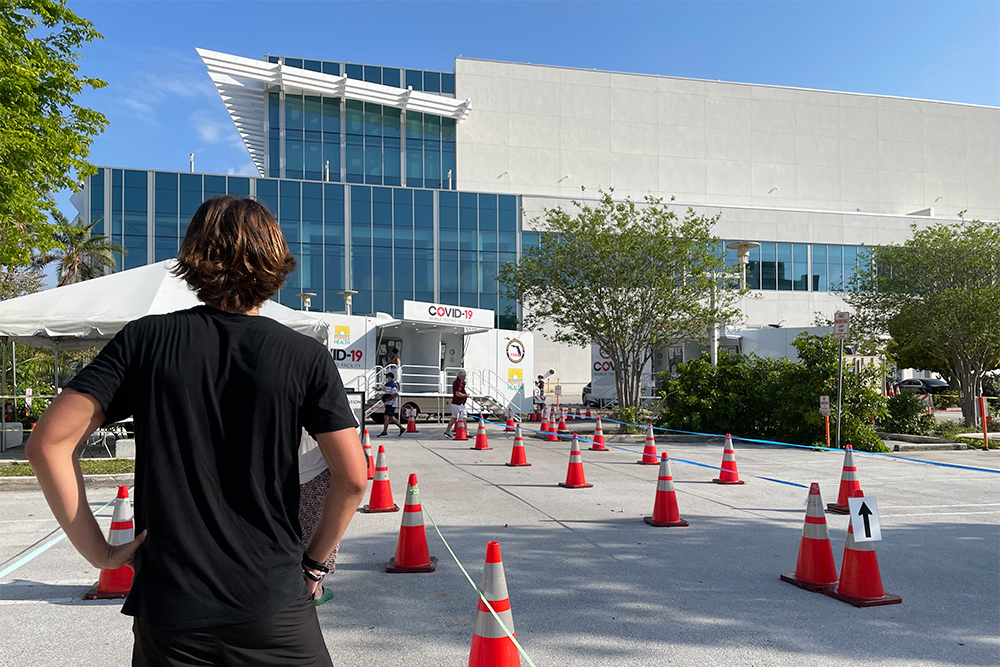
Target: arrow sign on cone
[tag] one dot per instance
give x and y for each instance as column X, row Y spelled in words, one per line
column 864, row 518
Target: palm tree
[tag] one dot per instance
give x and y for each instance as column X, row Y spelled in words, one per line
column 84, row 255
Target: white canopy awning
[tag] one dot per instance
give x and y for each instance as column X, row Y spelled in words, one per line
column 90, row 313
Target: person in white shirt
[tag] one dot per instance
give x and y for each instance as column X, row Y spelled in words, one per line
column 390, row 401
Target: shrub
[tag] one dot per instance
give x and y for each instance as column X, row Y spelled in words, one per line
column 774, row 399
column 947, row 399
column 907, row 414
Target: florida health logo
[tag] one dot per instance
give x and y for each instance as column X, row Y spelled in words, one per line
column 341, row 335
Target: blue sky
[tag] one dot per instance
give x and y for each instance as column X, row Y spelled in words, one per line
column 162, row 106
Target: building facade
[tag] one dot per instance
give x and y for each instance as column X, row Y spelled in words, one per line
column 412, row 184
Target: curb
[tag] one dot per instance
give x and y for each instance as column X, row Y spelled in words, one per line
column 90, row 481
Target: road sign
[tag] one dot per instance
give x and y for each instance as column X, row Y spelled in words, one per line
column 841, row 316
column 27, row 396
column 558, row 390
column 824, row 406
column 864, row 519
column 841, row 325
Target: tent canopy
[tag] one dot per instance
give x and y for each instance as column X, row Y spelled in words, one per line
column 90, row 313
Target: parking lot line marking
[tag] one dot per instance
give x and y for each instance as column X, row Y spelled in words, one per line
column 996, row 512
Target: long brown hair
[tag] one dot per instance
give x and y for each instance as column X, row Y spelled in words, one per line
column 234, row 254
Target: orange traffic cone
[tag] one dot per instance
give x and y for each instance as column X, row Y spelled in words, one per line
column 116, row 583
column 562, row 421
column 517, row 457
column 481, row 442
column 588, row 412
column 411, row 547
column 649, row 457
column 575, row 478
column 509, row 426
column 598, row 445
column 578, row 415
column 849, row 484
column 366, row 442
column 491, row 647
column 665, row 513
column 381, row 497
column 815, row 570
column 729, row 474
column 544, row 428
column 860, row 579
column 460, row 431
column 411, row 421
column 552, row 434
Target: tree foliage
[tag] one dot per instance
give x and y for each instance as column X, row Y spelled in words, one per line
column 775, row 399
column 938, row 296
column 630, row 277
column 45, row 136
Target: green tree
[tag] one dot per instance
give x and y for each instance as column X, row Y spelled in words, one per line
column 46, row 136
column 940, row 293
column 629, row 277
column 83, row 255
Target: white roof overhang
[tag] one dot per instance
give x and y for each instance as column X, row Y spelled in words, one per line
column 243, row 82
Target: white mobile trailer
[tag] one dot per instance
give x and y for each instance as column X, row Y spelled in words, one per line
column 434, row 341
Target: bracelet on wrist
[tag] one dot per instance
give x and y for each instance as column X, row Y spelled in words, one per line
column 312, row 575
column 313, row 565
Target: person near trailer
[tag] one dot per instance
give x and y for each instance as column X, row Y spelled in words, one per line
column 458, row 398
column 219, row 397
column 390, row 402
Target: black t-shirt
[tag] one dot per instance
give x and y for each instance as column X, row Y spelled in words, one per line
column 218, row 401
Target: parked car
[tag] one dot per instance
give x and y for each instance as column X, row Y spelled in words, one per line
column 924, row 386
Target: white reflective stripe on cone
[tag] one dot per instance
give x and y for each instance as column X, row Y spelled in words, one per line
column 858, row 546
column 487, row 626
column 413, row 519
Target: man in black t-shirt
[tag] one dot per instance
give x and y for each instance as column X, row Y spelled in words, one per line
column 219, row 396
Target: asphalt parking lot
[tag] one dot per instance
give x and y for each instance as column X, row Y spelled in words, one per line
column 589, row 582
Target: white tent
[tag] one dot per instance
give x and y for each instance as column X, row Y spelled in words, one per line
column 90, row 313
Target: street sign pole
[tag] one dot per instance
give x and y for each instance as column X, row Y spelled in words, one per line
column 840, row 390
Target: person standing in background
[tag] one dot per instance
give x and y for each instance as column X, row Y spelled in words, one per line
column 390, row 401
column 458, row 398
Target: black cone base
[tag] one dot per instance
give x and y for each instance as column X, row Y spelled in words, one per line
column 392, row 568
column 807, row 585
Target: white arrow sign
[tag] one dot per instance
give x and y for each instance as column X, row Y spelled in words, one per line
column 864, row 519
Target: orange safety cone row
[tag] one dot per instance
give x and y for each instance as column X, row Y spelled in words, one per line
column 562, row 421
column 491, row 647
column 411, row 421
column 509, row 426
column 649, row 457
column 411, row 547
column 665, row 512
column 481, row 441
column 815, row 570
column 366, row 443
column 461, row 433
column 849, row 484
column 860, row 578
column 517, row 456
column 729, row 473
column 575, row 479
column 598, row 445
column 116, row 583
column 381, row 497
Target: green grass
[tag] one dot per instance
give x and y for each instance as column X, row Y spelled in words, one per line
column 89, row 467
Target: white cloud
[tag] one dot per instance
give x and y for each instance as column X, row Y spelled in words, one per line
column 213, row 131
column 247, row 169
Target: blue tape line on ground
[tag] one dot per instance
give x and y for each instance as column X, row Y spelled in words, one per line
column 42, row 549
column 831, row 449
column 632, row 451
